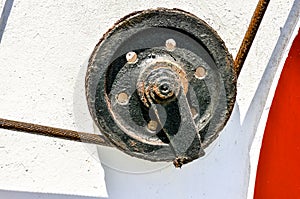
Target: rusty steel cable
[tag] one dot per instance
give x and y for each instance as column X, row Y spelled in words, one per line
column 102, row 140
column 250, row 34
column 54, row 132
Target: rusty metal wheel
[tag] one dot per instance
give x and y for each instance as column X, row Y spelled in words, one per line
column 161, row 85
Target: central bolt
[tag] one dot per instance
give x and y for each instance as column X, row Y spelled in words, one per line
column 163, row 84
column 164, row 88
column 160, row 82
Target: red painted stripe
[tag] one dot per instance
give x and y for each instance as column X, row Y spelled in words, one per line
column 278, row 174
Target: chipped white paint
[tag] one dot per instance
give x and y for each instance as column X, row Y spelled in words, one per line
column 44, row 45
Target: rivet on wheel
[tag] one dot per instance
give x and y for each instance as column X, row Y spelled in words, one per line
column 152, row 125
column 200, row 72
column 170, row 44
column 122, row 98
column 131, row 57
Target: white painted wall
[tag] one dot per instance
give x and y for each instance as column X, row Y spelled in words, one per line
column 42, row 57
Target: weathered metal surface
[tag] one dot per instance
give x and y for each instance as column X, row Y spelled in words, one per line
column 161, row 85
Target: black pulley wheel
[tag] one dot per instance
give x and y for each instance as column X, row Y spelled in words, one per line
column 161, row 85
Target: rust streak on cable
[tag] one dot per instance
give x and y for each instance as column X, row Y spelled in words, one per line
column 54, row 132
column 250, row 34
